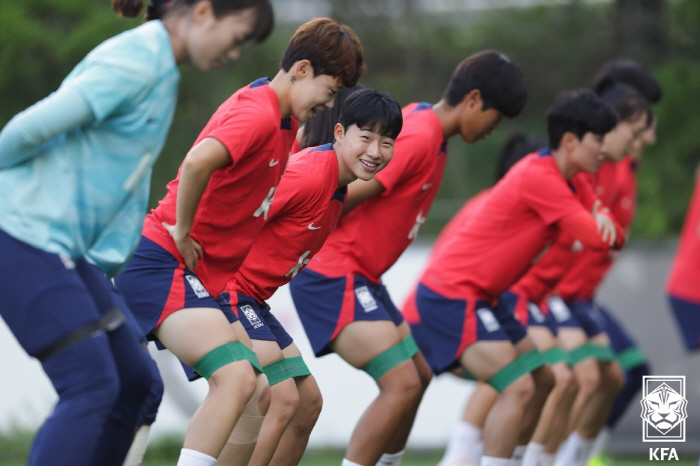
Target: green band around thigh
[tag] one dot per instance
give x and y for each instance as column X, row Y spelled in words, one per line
column 507, row 375
column 532, row 360
column 589, row 350
column 225, row 354
column 410, row 346
column 468, row 375
column 554, row 355
column 387, row 360
column 285, row 369
column 631, row 358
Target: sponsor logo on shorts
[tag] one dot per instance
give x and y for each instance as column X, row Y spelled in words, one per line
column 252, row 317
column 664, row 409
column 559, row 309
column 535, row 312
column 488, row 319
column 197, row 286
column 366, row 299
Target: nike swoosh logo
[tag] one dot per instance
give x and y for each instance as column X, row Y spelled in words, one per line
column 427, row 185
column 312, row 227
column 274, row 162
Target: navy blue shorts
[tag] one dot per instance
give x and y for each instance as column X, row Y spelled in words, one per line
column 444, row 327
column 154, row 285
column 620, row 339
column 505, row 313
column 581, row 314
column 258, row 321
column 588, row 315
column 325, row 305
column 45, row 296
column 687, row 315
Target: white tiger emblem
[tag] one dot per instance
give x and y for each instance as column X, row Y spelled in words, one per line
column 664, row 408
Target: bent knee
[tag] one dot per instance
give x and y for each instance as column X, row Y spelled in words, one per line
column 544, row 379
column 401, row 382
column 285, row 399
column 521, row 390
column 236, row 378
column 588, row 378
column 613, row 379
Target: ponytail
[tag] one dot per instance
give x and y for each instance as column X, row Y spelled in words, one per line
column 132, row 8
column 127, row 8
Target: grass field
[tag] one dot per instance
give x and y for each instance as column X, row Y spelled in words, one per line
column 164, row 452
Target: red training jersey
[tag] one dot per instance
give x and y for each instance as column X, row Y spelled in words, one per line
column 497, row 244
column 305, row 211
column 369, row 239
column 684, row 278
column 237, row 199
column 616, row 184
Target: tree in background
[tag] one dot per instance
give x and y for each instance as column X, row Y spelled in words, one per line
column 410, row 51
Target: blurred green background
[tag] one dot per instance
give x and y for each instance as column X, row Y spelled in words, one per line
column 411, row 48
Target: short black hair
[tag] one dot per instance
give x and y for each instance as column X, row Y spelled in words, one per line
column 627, row 102
column 517, row 146
column 579, row 112
column 499, row 80
column 368, row 108
column 633, row 74
column 319, row 130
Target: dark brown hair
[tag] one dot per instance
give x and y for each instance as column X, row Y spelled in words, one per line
column 332, row 49
column 158, row 9
column 499, row 80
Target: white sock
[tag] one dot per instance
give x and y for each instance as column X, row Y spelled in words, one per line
column 347, row 462
column 576, row 451
column 532, row 454
column 564, row 452
column 546, row 459
column 138, row 447
column 518, row 453
column 601, row 442
column 463, row 445
column 493, row 461
column 194, row 458
column 391, row 459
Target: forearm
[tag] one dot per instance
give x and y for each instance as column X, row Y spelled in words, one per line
column 583, row 227
column 194, row 178
column 22, row 138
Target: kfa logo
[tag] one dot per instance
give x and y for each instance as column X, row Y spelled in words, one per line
column 662, row 454
column 197, row 286
column 366, row 299
column 251, row 316
column 664, row 409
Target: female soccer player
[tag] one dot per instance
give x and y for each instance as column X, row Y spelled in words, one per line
column 198, row 236
column 69, row 166
column 339, row 296
column 305, row 211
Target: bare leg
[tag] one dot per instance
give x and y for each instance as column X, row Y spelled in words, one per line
column 295, row 438
column 190, row 334
column 503, row 423
column 544, row 383
column 612, row 380
column 399, row 389
column 284, row 401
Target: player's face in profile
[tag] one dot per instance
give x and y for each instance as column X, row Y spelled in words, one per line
column 647, row 138
column 588, row 154
column 363, row 151
column 213, row 41
column 312, row 94
column 476, row 125
column 618, row 142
